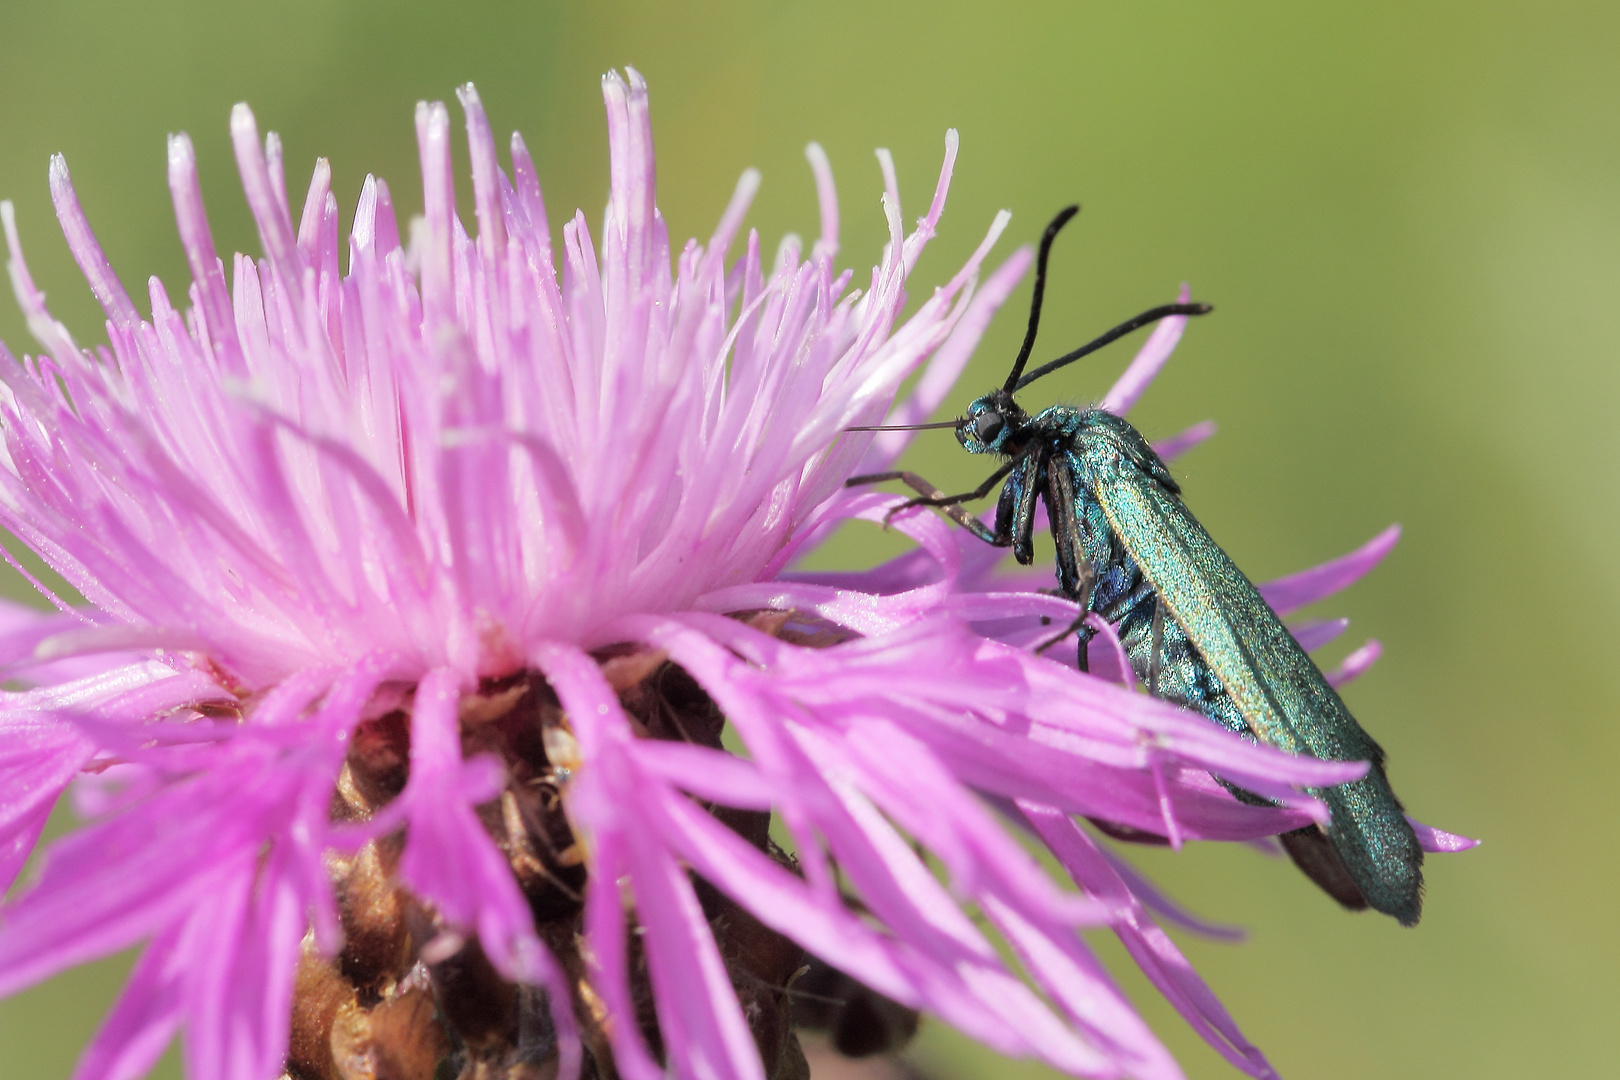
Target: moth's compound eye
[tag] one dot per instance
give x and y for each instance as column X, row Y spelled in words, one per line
column 987, row 426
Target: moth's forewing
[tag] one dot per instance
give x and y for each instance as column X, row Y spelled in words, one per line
column 1282, row 695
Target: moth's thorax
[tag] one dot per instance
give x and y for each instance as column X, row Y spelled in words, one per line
column 1101, row 443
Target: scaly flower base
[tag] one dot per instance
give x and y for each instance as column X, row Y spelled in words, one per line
column 411, row 998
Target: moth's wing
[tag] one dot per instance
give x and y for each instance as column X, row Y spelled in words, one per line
column 1280, row 692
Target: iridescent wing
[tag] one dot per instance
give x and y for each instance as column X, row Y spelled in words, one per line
column 1282, row 695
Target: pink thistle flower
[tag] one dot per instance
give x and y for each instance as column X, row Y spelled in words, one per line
column 417, row 596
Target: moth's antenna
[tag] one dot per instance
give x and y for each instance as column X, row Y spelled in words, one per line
column 1057, row 224
column 1152, row 315
column 906, row 427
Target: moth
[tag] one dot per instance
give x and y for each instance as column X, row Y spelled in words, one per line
column 1195, row 628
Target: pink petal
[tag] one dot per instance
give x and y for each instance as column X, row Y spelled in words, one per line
column 1176, row 445
column 1356, row 664
column 1160, row 960
column 143, row 1021
column 1288, row 594
column 198, row 242
column 1312, row 634
column 699, row 1018
column 1150, row 359
column 1154, row 899
column 449, row 859
column 93, row 262
column 269, row 211
column 1438, row 840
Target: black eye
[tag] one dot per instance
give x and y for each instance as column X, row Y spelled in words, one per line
column 988, row 425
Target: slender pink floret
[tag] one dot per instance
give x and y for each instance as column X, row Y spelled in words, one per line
column 409, row 479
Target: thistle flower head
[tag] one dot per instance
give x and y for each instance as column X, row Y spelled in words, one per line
column 420, row 580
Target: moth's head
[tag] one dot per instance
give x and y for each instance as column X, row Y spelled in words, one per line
column 991, row 424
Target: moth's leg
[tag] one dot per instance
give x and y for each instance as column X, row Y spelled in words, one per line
column 1017, row 509
column 1077, row 579
column 1156, row 650
column 1116, row 612
column 1078, row 626
column 1087, row 582
column 1074, row 627
column 950, row 505
column 1076, row 576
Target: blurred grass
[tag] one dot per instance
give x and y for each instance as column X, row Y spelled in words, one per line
column 1408, row 216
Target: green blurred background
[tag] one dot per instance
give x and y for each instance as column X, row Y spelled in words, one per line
column 1408, row 215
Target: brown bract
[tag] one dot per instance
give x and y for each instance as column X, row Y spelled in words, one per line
column 411, row 998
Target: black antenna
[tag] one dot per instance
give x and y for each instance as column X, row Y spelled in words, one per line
column 1058, row 222
column 1152, row 315
column 907, row 427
